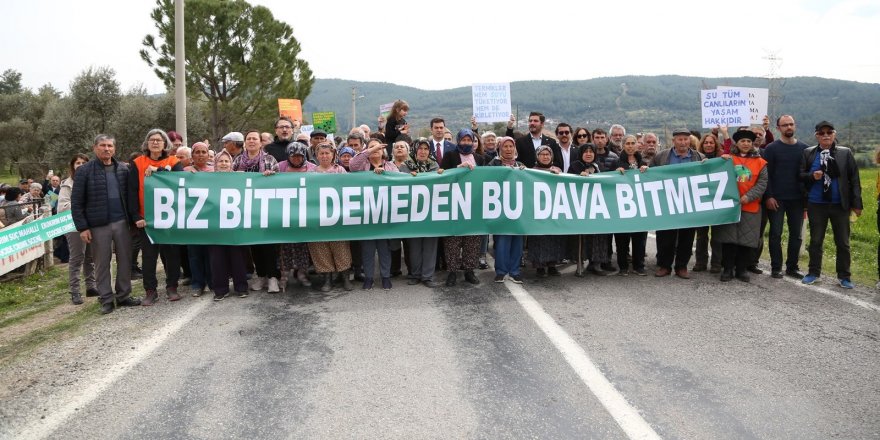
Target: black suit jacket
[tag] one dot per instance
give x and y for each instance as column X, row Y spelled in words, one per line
column 525, row 150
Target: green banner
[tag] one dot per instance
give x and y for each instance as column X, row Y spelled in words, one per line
column 27, row 235
column 249, row 208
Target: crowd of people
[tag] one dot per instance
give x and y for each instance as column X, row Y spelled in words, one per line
column 778, row 181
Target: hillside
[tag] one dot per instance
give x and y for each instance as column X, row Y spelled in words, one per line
column 640, row 103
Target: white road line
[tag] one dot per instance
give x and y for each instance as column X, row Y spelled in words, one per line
column 45, row 427
column 627, row 417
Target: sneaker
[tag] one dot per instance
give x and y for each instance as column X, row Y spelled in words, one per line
column 243, row 294
column 185, row 281
column 776, row 274
column 809, row 279
column 150, row 298
column 846, row 283
column 197, row 291
column 755, row 270
column 76, row 299
column 172, row 294
column 219, row 296
column 483, row 264
column 257, row 283
column 623, row 273
column 499, row 278
column 368, row 284
column 517, row 279
column 273, row 285
column 386, row 283
column 640, row 272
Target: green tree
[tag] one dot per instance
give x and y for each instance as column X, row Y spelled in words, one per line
column 96, row 92
column 239, row 59
column 10, row 82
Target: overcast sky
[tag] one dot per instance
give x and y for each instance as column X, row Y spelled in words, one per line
column 440, row 45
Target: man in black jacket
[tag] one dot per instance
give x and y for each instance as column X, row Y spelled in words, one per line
column 102, row 208
column 831, row 176
column 283, row 136
column 526, row 145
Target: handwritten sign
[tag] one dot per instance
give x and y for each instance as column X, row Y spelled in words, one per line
column 724, row 107
column 758, row 99
column 385, row 109
column 291, row 108
column 324, row 121
column 491, row 102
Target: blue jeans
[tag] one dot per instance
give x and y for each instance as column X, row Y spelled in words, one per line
column 508, row 253
column 794, row 211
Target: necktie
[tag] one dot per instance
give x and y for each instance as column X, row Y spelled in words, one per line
column 439, row 151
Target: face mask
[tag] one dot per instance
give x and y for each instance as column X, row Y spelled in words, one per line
column 465, row 149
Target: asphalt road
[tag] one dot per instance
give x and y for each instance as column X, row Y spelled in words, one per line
column 693, row 359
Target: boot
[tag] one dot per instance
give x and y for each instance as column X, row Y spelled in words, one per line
column 328, row 282
column 303, row 279
column 726, row 274
column 76, row 298
column 346, row 283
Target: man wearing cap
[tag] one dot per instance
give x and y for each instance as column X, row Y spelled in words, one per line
column 233, row 143
column 784, row 197
column 831, row 176
column 283, row 137
column 675, row 246
column 316, row 137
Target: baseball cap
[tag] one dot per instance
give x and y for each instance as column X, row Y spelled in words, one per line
column 233, row 136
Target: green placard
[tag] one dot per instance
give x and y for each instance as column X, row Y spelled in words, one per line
column 31, row 234
column 324, row 121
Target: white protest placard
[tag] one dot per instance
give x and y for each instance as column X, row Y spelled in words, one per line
column 385, row 109
column 725, row 107
column 758, row 102
column 307, row 129
column 491, row 102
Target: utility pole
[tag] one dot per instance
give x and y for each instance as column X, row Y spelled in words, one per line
column 354, row 98
column 179, row 71
column 774, row 84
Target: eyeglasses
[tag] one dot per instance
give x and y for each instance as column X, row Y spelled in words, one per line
column 284, row 127
column 563, row 133
column 582, row 135
column 825, row 133
column 155, row 141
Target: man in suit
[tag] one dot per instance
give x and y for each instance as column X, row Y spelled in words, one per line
column 439, row 145
column 526, row 145
column 831, row 176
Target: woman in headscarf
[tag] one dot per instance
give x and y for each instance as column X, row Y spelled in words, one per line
column 199, row 264
column 739, row 240
column 330, row 256
column 462, row 252
column 373, row 159
column 295, row 256
column 422, row 251
column 508, row 248
column 631, row 159
column 597, row 244
column 546, row 250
